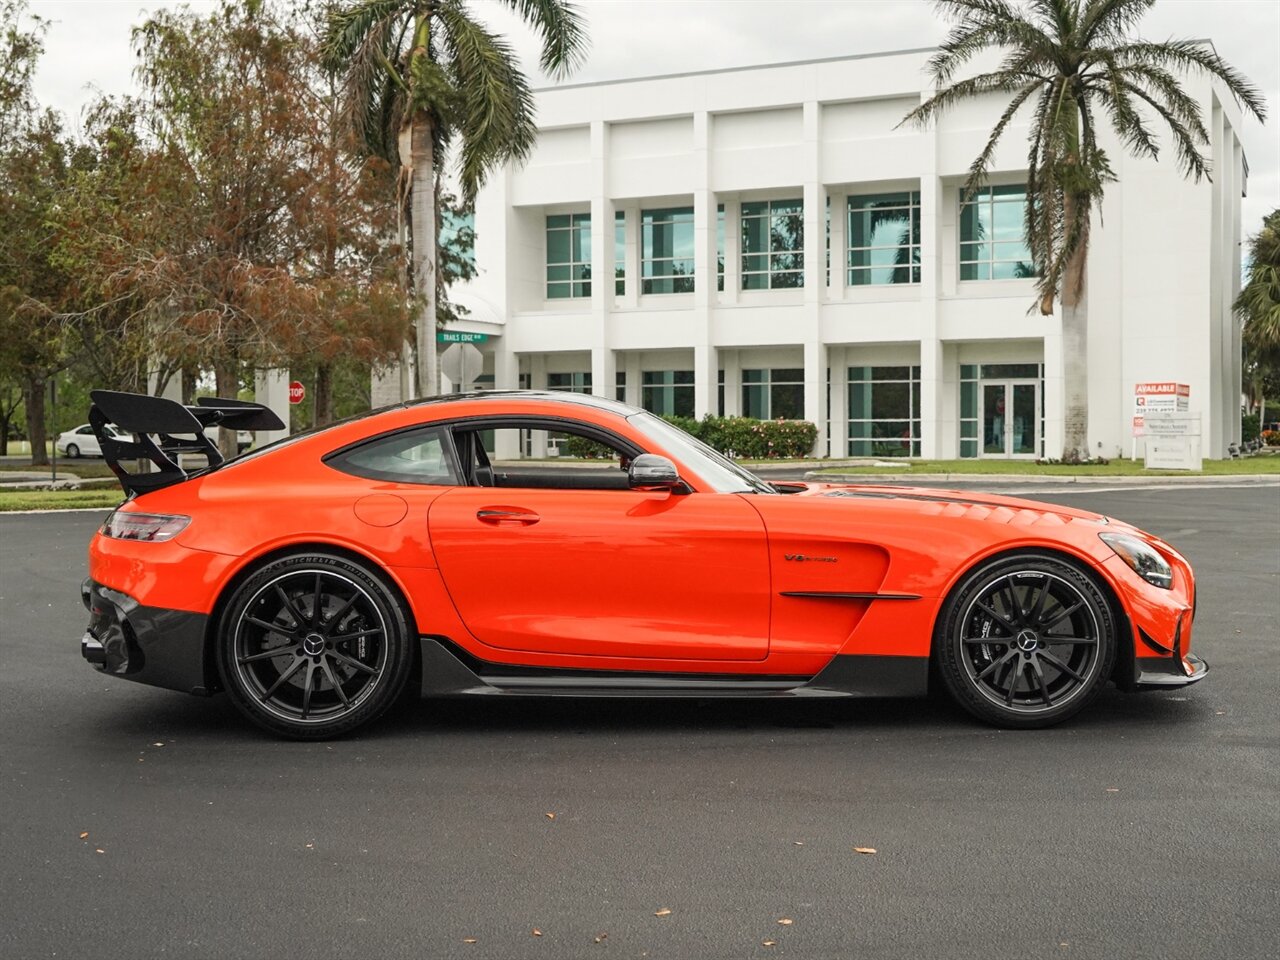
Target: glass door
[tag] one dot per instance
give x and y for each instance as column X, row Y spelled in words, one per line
column 1010, row 418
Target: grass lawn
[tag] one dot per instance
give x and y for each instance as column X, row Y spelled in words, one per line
column 1261, row 464
column 84, row 469
column 58, row 499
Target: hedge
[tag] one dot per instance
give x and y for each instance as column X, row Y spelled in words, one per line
column 750, row 439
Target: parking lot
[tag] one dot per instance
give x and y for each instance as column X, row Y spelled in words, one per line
column 1147, row 827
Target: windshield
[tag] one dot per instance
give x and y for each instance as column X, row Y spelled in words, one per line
column 718, row 470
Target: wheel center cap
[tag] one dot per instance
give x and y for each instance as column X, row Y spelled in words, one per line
column 1027, row 640
column 313, row 645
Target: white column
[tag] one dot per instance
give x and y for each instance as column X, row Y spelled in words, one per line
column 538, row 381
column 172, row 389
column 506, row 376
column 839, row 245
column 631, row 362
column 705, row 363
column 815, row 267
column 932, row 382
column 1055, row 393
column 732, row 360
column 271, row 389
column 631, row 230
column 603, row 364
column 838, row 360
column 732, row 251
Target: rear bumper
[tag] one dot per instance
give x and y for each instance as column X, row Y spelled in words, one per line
column 164, row 648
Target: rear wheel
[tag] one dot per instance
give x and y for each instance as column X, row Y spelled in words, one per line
column 313, row 646
column 73, row 451
column 1026, row 641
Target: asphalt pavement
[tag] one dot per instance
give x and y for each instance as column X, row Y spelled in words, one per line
column 136, row 822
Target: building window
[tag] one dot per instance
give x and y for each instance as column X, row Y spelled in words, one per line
column 666, row 238
column 772, row 244
column 993, row 242
column 884, row 411
column 620, row 386
column 667, row 392
column 619, row 253
column 570, row 382
column 774, row 394
column 884, row 239
column 568, row 256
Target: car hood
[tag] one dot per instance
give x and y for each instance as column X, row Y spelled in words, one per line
column 955, row 503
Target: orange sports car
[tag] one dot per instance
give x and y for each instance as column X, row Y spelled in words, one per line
column 540, row 544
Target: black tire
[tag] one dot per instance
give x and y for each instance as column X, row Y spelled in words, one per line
column 1026, row 641
column 313, row 646
column 73, row 451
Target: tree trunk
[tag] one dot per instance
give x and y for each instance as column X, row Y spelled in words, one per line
column 189, row 377
column 228, row 386
column 33, row 396
column 322, row 404
column 1075, row 348
column 423, row 218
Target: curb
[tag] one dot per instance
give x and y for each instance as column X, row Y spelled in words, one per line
column 993, row 479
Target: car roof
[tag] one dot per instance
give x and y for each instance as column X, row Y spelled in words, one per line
column 496, row 396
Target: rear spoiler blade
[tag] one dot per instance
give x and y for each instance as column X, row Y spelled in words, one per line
column 164, row 430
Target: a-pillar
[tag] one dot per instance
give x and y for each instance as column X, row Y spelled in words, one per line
column 271, row 389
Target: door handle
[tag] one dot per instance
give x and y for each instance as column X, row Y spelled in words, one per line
column 495, row 516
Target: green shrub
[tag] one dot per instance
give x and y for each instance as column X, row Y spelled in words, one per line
column 584, row 449
column 1250, row 424
column 750, row 439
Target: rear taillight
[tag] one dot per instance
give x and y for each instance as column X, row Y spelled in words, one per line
column 151, row 527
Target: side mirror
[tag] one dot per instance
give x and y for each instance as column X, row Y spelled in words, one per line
column 652, row 472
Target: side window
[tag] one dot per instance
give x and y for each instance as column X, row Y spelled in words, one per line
column 416, row 456
column 554, row 458
column 85, row 430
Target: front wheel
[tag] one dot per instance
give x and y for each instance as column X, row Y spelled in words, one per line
column 1026, row 641
column 313, row 646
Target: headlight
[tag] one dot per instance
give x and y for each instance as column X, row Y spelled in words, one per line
column 1142, row 557
column 151, row 527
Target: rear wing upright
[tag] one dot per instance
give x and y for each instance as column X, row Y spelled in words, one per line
column 165, row 430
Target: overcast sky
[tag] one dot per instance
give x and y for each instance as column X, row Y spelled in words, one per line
column 89, row 47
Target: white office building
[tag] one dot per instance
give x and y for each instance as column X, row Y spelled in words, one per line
column 768, row 242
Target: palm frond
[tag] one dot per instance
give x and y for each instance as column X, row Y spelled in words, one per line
column 1114, row 93
column 1193, row 56
column 981, row 24
column 1191, row 161
column 978, row 169
column 1111, row 19
column 996, row 82
column 563, row 32
column 347, row 28
column 495, row 118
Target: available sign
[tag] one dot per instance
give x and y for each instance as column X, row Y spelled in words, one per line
column 457, row 336
column 1158, row 398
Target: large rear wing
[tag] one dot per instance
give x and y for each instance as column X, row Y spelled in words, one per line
column 165, row 430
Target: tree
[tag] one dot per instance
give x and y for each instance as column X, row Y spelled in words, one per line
column 1072, row 60
column 1258, row 306
column 421, row 74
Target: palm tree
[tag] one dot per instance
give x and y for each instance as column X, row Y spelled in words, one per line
column 421, row 74
column 1259, row 307
column 1072, row 60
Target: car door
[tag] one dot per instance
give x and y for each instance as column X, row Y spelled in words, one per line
column 87, row 441
column 615, row 573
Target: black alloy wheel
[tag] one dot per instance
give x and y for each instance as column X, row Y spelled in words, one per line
column 313, row 646
column 1026, row 641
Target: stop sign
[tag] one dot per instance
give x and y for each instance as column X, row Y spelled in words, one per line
column 297, row 392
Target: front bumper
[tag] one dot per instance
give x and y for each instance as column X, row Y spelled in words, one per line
column 1156, row 672
column 164, row 648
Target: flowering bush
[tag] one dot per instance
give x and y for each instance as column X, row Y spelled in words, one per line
column 752, row 439
column 1271, row 438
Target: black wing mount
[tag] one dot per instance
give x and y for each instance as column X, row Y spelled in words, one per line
column 164, row 430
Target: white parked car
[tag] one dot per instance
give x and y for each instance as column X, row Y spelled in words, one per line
column 81, row 442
